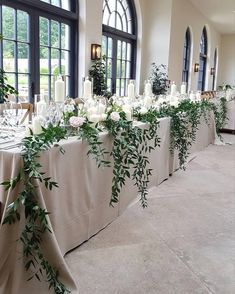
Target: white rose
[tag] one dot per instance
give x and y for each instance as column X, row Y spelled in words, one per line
column 77, row 121
column 143, row 110
column 115, row 116
column 69, row 108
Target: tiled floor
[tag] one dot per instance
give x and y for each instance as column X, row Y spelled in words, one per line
column 183, row 243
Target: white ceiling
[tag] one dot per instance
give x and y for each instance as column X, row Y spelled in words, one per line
column 219, row 12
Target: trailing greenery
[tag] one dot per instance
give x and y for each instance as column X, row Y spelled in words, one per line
column 184, row 123
column 98, row 73
column 36, row 223
column 159, row 79
column 90, row 134
column 131, row 145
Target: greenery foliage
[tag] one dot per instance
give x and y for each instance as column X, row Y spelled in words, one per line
column 130, row 149
column 159, row 79
column 98, row 73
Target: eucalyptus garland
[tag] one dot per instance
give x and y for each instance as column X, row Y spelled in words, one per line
column 131, row 144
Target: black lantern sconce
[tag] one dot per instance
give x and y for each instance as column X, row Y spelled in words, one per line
column 196, row 67
column 95, row 51
column 212, row 71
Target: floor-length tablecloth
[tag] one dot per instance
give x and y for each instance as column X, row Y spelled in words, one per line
column 230, row 124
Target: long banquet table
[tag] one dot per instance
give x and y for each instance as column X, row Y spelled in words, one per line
column 79, row 207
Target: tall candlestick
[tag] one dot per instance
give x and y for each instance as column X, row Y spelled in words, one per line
column 87, row 89
column 59, row 90
column 173, row 89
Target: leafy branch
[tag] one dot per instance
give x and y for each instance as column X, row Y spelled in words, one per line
column 130, row 145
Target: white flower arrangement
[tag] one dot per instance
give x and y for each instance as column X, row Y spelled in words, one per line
column 77, row 121
column 115, row 116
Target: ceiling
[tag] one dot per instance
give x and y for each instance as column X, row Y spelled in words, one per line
column 220, row 12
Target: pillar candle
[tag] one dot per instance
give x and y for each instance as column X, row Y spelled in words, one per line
column 192, row 96
column 37, row 127
column 173, row 89
column 41, row 108
column 148, row 89
column 131, row 90
column 59, row 90
column 87, row 89
column 183, row 89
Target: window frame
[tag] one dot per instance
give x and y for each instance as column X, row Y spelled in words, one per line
column 203, row 60
column 118, row 35
column 215, row 69
column 35, row 11
column 186, row 57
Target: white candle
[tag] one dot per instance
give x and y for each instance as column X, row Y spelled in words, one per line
column 173, row 89
column 37, row 127
column 87, row 89
column 148, row 89
column 59, row 90
column 128, row 115
column 198, row 96
column 92, row 110
column 95, row 118
column 101, row 108
column 183, row 89
column 131, row 90
column 192, row 96
column 148, row 101
column 41, row 108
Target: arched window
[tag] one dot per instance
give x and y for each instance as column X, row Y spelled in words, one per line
column 214, row 70
column 119, row 43
column 39, row 42
column 186, row 56
column 203, row 60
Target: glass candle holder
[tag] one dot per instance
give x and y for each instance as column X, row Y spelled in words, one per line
column 87, row 88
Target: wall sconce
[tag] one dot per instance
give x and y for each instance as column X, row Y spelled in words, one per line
column 196, row 67
column 212, row 71
column 95, row 51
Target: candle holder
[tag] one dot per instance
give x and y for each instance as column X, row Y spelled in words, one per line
column 87, row 88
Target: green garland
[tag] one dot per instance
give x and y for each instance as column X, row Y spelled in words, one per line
column 131, row 145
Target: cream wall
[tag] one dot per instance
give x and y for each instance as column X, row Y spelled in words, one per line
column 184, row 15
column 227, row 60
column 90, row 32
column 156, row 23
column 161, row 30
